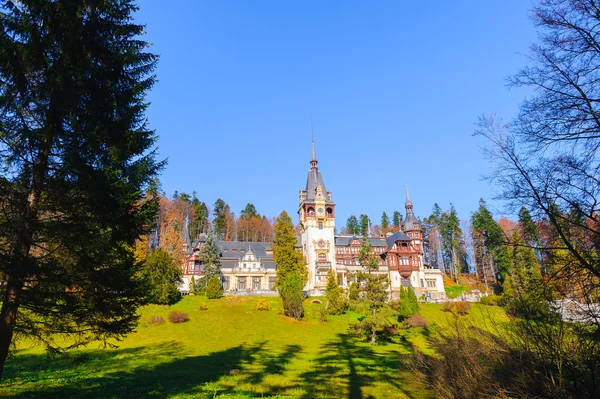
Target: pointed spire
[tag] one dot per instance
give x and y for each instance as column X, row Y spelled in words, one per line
column 407, row 197
column 313, row 161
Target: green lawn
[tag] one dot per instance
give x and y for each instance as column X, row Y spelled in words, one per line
column 229, row 350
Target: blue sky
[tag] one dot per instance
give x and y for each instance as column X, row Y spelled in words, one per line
column 394, row 90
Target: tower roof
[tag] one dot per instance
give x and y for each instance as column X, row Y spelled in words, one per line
column 411, row 219
column 315, row 179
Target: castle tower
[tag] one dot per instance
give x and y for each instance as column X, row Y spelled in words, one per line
column 412, row 228
column 317, row 223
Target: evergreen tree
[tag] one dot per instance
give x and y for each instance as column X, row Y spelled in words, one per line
column 214, row 290
column 76, row 155
column 409, row 305
column 374, row 286
column 220, row 211
column 291, row 269
column 451, row 237
column 199, row 223
column 249, row 212
column 352, row 225
column 385, row 222
column 525, row 274
column 161, row 276
column 397, row 220
column 337, row 303
column 210, row 258
column 364, row 225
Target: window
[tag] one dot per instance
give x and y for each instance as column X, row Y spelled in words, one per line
column 242, row 283
column 322, row 258
column 430, row 283
column 311, row 211
column 225, row 283
column 244, row 265
column 405, row 282
column 422, row 284
column 320, row 225
column 256, row 283
column 272, row 283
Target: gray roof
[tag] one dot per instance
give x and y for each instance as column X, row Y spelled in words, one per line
column 409, row 221
column 237, row 249
column 343, row 240
column 399, row 236
column 313, row 180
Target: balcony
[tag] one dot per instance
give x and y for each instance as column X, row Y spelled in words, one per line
column 323, row 266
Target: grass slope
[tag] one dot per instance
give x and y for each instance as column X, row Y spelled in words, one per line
column 229, row 350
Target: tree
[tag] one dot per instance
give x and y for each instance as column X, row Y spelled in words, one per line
column 397, row 220
column 161, row 277
column 385, row 222
column 337, row 302
column 291, row 269
column 374, row 287
column 210, row 259
column 352, row 225
column 547, row 160
column 75, row 157
column 249, row 212
column 409, row 305
column 214, row 290
column 365, row 225
column 220, row 211
column 199, row 223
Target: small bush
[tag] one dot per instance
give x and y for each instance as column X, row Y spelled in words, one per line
column 263, row 304
column 458, row 308
column 214, row 289
column 203, row 306
column 490, row 300
column 337, row 301
column 417, row 320
column 463, row 307
column 323, row 314
column 447, row 306
column 178, row 317
column 157, row 320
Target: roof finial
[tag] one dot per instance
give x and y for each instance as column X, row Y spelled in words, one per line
column 314, row 157
column 407, row 197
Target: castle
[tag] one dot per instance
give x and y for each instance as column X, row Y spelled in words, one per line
column 248, row 267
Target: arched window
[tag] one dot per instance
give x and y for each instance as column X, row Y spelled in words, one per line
column 311, row 211
column 329, row 212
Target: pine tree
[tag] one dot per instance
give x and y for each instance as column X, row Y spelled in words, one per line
column 214, row 290
column 352, row 225
column 337, row 303
column 397, row 220
column 291, row 269
column 385, row 222
column 75, row 157
column 374, row 286
column 364, row 224
column 220, row 211
column 161, row 276
column 210, row 258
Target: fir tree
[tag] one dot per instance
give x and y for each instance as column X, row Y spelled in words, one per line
column 337, row 303
column 161, row 276
column 220, row 212
column 291, row 269
column 374, row 287
column 397, row 220
column 385, row 222
column 364, row 225
column 210, row 258
column 214, row 290
column 76, row 156
column 352, row 225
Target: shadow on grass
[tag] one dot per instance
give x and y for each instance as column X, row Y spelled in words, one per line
column 104, row 374
column 342, row 368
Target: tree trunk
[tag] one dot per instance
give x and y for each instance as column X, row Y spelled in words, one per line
column 8, row 315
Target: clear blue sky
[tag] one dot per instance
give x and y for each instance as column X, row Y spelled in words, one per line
column 394, row 90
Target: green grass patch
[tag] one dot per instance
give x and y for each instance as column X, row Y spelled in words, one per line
column 229, row 349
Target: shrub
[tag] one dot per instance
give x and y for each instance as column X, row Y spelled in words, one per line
column 213, row 289
column 157, row 320
column 263, row 304
column 290, row 289
column 354, row 293
column 178, row 317
column 490, row 300
column 337, row 303
column 447, row 306
column 417, row 320
column 203, row 306
column 458, row 308
column 323, row 313
column 408, row 304
column 463, row 307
